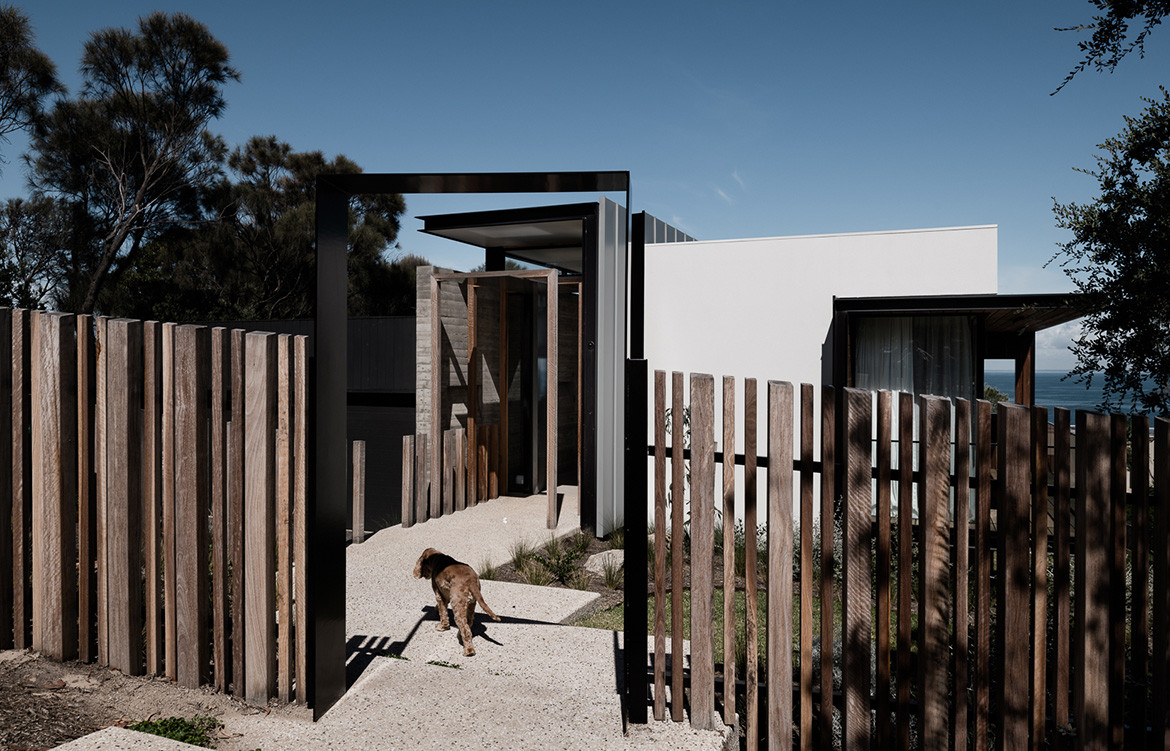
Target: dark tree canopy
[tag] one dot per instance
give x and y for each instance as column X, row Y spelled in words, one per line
column 32, row 259
column 1113, row 37
column 1119, row 259
column 257, row 259
column 27, row 76
column 132, row 152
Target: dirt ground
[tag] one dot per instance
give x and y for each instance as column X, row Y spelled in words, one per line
column 44, row 703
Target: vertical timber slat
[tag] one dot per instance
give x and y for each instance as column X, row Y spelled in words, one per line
column 856, row 627
column 170, row 624
column 220, row 374
column 728, row 473
column 124, row 475
column 780, row 396
column 1059, row 676
column 961, row 551
column 806, row 564
column 552, row 337
column 7, row 582
column 54, row 484
column 1039, row 575
column 1015, row 606
column 86, row 510
column 702, row 551
column 239, row 522
column 982, row 568
column 259, row 498
column 1140, row 481
column 359, row 491
column 828, row 496
column 284, row 579
column 882, row 596
column 152, row 494
column 752, row 627
column 1092, row 577
column 905, row 542
column 408, row 481
column 1161, row 559
column 192, row 502
column 677, row 491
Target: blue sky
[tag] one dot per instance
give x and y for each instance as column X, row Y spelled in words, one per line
column 734, row 119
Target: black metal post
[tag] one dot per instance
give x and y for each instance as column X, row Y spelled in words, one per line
column 638, row 286
column 327, row 497
column 636, row 561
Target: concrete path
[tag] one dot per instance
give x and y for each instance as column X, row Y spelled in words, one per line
column 534, row 683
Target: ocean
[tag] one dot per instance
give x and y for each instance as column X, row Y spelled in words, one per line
column 1051, row 390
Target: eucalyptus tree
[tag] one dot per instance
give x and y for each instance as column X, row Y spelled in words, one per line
column 27, row 75
column 131, row 153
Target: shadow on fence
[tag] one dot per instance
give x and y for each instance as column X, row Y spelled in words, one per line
column 155, row 478
column 1062, row 627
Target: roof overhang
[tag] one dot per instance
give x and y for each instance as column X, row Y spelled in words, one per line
column 550, row 236
column 1001, row 314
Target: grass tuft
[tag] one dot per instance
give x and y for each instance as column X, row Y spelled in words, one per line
column 614, row 575
column 533, row 572
column 195, row 731
column 488, row 571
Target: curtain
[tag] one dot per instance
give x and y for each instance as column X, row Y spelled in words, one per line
column 920, row 354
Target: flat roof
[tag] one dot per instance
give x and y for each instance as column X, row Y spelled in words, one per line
column 546, row 235
column 1012, row 314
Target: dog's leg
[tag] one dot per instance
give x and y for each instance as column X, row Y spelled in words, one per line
column 441, row 605
column 464, row 608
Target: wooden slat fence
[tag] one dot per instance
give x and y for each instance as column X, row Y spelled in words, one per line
column 992, row 622
column 467, row 472
column 153, row 508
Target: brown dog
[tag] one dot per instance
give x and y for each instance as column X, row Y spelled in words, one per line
column 455, row 583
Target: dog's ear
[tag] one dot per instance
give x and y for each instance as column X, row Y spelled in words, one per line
column 423, row 568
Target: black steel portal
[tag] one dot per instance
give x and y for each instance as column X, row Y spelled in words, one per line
column 327, row 501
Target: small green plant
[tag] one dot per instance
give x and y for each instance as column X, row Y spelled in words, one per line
column 579, row 580
column 488, row 571
column 395, row 655
column 521, row 551
column 195, row 731
column 444, row 664
column 614, row 575
column 562, row 559
column 617, row 539
column 532, row 572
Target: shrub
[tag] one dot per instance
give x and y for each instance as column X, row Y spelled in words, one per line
column 532, row 572
column 562, row 559
column 195, row 731
column 521, row 551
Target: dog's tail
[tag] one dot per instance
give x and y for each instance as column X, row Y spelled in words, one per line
column 484, row 606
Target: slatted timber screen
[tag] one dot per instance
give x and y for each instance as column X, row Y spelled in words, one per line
column 468, row 472
column 963, row 608
column 142, row 486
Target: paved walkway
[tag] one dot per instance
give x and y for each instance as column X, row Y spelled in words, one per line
column 533, row 684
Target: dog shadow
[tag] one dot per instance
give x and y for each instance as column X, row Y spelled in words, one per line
column 362, row 649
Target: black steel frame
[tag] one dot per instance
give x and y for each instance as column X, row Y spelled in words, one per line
column 328, row 451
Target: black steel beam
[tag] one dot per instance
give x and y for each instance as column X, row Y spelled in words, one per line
column 326, row 504
column 637, row 554
column 638, row 286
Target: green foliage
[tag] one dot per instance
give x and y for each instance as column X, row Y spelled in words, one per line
column 256, row 260
column 562, row 558
column 994, row 395
column 534, row 573
column 32, row 261
column 1112, row 39
column 614, row 574
column 195, row 731
column 488, row 571
column 617, row 539
column 1119, row 259
column 131, row 154
column 521, row 551
column 27, row 75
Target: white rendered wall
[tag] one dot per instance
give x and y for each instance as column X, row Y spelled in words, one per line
column 762, row 308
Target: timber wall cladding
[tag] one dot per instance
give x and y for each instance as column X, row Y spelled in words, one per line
column 1070, row 649
column 154, row 476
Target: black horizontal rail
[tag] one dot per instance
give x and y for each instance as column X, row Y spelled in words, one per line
column 817, row 467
